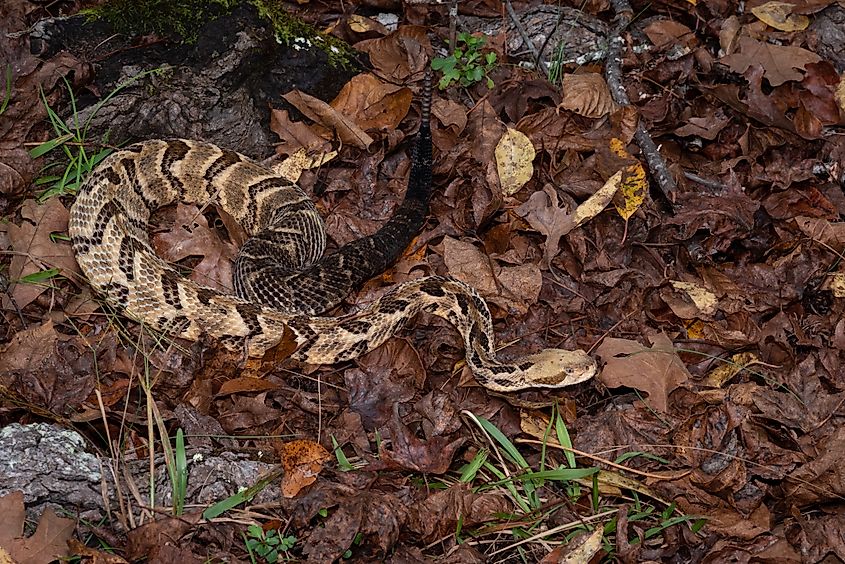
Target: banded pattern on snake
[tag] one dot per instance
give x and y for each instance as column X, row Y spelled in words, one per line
column 282, row 278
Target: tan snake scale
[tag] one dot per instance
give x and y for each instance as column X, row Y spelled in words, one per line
column 281, row 275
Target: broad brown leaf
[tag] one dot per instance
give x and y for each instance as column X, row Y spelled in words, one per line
column 373, row 104
column 191, row 236
column 656, row 370
column 48, row 543
column 35, row 250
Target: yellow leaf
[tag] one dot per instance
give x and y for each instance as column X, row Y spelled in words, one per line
column 291, row 168
column 723, row 373
column 836, row 283
column 633, row 189
column 779, row 15
column 598, row 201
column 705, row 300
column 617, row 147
column 695, row 330
column 514, row 158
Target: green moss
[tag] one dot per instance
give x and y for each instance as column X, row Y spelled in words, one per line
column 169, row 18
column 297, row 34
column 183, row 19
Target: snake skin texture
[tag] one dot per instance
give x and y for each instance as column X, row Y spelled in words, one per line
column 282, row 279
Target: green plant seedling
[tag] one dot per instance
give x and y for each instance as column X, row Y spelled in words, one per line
column 467, row 64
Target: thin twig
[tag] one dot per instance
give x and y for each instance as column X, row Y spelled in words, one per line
column 613, row 75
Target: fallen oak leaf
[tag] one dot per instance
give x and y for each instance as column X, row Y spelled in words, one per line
column 781, row 63
column 317, row 110
column 657, row 370
column 191, row 236
column 543, row 213
column 46, row 544
column 372, row 103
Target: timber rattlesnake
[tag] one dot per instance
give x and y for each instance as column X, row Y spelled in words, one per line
column 281, row 274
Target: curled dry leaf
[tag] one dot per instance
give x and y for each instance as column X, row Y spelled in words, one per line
column 657, row 370
column 587, row 95
column 294, row 135
column 322, row 113
column 514, row 161
column 302, row 461
column 400, row 55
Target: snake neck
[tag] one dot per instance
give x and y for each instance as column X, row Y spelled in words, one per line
column 455, row 302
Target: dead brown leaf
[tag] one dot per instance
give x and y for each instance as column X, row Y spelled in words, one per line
column 587, row 94
column 542, row 211
column 407, row 452
column 388, row 375
column 47, row 543
column 34, row 249
column 372, row 103
column 656, row 370
column 191, row 236
column 48, row 369
column 669, row 33
column 161, row 538
column 294, row 135
column 322, row 113
column 513, row 288
column 400, row 55
column 302, row 461
column 781, row 63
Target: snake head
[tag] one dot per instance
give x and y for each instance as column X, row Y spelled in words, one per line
column 558, row 368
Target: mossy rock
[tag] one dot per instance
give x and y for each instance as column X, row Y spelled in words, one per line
column 182, row 20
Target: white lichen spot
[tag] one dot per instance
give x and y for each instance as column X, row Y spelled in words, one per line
column 197, row 458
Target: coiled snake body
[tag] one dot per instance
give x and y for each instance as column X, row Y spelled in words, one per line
column 281, row 276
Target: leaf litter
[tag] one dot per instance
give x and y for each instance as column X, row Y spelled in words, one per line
column 719, row 325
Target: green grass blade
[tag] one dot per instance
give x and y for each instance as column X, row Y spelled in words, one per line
column 342, row 462
column 233, row 501
column 180, row 484
column 509, row 448
column 7, row 95
column 40, row 277
column 48, row 146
